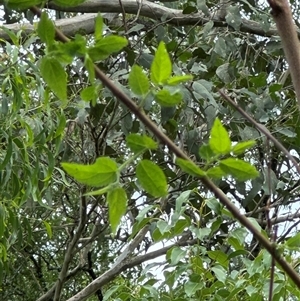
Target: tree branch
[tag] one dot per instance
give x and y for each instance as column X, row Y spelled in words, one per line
column 164, row 139
column 284, row 20
column 151, row 10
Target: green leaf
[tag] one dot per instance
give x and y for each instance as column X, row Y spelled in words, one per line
column 166, row 99
column 138, row 81
column 138, row 143
column 219, row 141
column 190, row 167
column 101, row 173
column 48, row 229
column 206, row 152
column 294, row 241
column 23, row 4
column 98, row 28
column 214, row 205
column 239, row 169
column 106, row 46
column 46, row 30
column 117, row 204
column 191, row 288
column 152, row 178
column 89, row 93
column 55, row 76
column 242, row 146
column 220, row 273
column 161, row 67
column 233, row 17
column 163, row 226
column 216, row 172
column 175, row 80
column 66, row 3
column 219, row 256
column 176, row 255
column 89, row 65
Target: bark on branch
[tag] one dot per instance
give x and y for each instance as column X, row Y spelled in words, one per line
column 148, row 9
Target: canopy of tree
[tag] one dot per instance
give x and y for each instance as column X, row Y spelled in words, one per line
column 149, row 150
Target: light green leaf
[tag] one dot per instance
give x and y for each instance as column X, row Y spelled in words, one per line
column 48, row 229
column 89, row 65
column 101, row 173
column 152, row 178
column 190, row 167
column 138, row 143
column 55, row 76
column 66, row 3
column 46, row 30
column 98, row 27
column 219, row 141
column 166, row 99
column 117, row 204
column 106, row 46
column 23, row 4
column 138, row 81
column 216, row 172
column 240, row 147
column 161, row 67
column 89, row 93
column 294, row 241
column 239, row 169
column 175, row 80
column 206, row 153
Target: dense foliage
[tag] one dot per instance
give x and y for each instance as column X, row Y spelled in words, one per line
column 88, row 192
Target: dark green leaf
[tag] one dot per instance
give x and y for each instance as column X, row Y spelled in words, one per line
column 152, row 178
column 219, row 256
